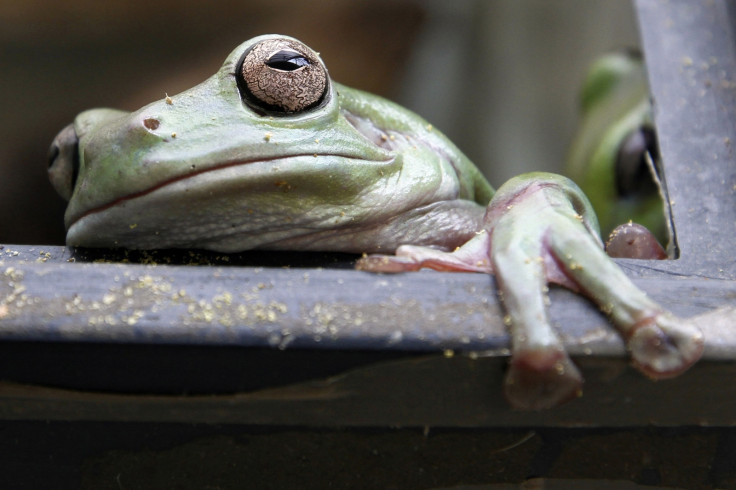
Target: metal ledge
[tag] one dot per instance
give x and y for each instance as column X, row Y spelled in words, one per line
column 311, row 308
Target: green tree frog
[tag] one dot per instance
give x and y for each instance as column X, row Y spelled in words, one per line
column 270, row 153
column 613, row 158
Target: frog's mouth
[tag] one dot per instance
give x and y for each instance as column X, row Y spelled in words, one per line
column 254, row 196
column 226, row 165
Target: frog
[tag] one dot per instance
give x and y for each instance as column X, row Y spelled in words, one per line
column 614, row 157
column 271, row 153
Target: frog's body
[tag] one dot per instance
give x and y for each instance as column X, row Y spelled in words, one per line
column 269, row 153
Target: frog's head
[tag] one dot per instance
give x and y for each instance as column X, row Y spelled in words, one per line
column 265, row 151
column 612, row 155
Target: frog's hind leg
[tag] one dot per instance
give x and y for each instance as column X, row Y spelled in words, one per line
column 540, row 373
column 544, row 230
column 661, row 344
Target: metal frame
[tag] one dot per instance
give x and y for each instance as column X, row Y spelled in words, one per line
column 332, row 347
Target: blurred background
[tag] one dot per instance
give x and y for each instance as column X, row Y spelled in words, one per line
column 499, row 77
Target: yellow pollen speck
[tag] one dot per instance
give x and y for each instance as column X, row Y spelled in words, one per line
column 134, row 225
column 267, row 137
column 173, row 135
column 168, row 99
column 448, row 353
column 429, row 127
column 316, row 140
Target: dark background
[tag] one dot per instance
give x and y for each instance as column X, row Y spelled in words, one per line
column 499, row 77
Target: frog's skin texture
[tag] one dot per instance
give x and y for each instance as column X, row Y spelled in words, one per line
column 270, row 153
column 614, row 156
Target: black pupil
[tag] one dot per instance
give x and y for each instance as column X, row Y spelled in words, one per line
column 287, row 61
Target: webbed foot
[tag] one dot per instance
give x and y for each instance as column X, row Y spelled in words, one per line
column 663, row 346
column 541, row 378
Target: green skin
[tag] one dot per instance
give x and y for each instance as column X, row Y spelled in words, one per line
column 614, row 102
column 359, row 174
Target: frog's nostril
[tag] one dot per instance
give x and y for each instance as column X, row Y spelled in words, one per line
column 64, row 161
column 151, row 123
column 53, row 153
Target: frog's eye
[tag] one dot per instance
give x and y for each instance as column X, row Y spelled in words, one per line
column 282, row 76
column 633, row 175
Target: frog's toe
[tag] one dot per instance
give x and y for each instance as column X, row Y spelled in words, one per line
column 634, row 241
column 539, row 379
column 471, row 257
column 663, row 346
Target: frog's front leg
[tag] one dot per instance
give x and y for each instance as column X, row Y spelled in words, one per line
column 539, row 228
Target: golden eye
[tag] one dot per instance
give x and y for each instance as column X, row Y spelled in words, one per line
column 282, row 76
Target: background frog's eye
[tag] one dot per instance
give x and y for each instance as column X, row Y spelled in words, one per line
column 633, row 176
column 282, row 76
